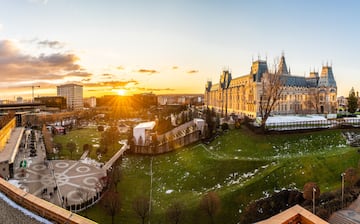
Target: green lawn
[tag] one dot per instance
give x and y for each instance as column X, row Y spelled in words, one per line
column 240, row 166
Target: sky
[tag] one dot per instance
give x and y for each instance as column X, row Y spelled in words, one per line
column 169, row 46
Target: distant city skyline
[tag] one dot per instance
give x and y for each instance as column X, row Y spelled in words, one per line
column 169, row 47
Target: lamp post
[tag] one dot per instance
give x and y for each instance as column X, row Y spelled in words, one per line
column 342, row 189
column 314, row 191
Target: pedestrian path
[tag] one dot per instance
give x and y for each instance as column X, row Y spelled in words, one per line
column 350, row 215
column 65, row 183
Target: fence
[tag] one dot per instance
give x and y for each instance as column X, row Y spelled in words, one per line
column 316, row 124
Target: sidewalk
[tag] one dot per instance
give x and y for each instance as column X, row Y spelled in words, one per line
column 350, row 215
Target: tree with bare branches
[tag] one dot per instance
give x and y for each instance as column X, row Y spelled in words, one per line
column 141, row 207
column 271, row 89
column 351, row 176
column 111, row 203
column 84, row 195
column 47, row 139
column 71, row 146
column 174, row 212
column 210, row 204
column 308, row 191
column 313, row 100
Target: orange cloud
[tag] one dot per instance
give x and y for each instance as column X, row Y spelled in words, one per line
column 112, row 84
column 192, row 71
column 147, row 71
column 18, row 67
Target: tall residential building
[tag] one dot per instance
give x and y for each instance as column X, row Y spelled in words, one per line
column 300, row 95
column 73, row 94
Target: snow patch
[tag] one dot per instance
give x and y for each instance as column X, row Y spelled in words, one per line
column 169, row 191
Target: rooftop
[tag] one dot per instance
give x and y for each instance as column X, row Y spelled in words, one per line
column 295, row 214
column 12, row 146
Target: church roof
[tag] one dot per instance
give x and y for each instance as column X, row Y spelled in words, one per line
column 282, row 69
column 327, row 77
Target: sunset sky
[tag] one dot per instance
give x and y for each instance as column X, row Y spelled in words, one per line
column 169, row 46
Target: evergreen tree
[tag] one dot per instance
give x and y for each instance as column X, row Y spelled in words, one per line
column 352, row 102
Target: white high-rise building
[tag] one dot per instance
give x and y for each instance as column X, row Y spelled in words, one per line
column 73, row 94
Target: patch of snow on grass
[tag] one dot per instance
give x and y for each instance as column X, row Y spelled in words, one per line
column 169, row 191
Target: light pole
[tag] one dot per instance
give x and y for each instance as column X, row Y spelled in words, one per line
column 314, row 191
column 342, row 189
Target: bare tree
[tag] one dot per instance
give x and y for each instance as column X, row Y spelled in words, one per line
column 111, row 203
column 314, row 100
column 71, row 146
column 174, row 212
column 271, row 90
column 87, row 147
column 115, row 176
column 351, row 176
column 210, row 204
column 141, row 207
column 308, row 191
column 47, row 139
column 84, row 194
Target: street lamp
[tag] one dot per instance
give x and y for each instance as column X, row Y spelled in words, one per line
column 314, row 191
column 342, row 189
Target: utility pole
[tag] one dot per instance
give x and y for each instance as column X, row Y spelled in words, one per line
column 342, row 189
column 314, row 190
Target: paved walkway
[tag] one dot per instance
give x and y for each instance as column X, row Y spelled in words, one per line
column 62, row 182
column 350, row 215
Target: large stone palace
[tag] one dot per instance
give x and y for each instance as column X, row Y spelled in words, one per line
column 300, row 95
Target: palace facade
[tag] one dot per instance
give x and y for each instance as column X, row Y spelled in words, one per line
column 300, row 95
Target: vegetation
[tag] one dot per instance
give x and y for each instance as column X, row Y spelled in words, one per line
column 239, row 166
column 271, row 89
column 80, row 137
column 352, row 102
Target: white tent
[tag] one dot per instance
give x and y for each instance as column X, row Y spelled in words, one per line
column 139, row 130
column 199, row 124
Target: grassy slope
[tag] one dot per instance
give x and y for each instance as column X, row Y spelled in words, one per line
column 271, row 162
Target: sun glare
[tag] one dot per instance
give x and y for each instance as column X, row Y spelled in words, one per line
column 121, row 92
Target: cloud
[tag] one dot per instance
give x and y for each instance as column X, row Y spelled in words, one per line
column 16, row 66
column 78, row 74
column 44, row 2
column 120, row 68
column 192, row 71
column 175, row 67
column 147, row 71
column 155, row 89
column 112, row 84
column 107, row 76
column 51, row 44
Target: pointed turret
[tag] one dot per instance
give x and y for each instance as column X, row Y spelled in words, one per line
column 208, row 86
column 327, row 77
column 258, row 68
column 282, row 69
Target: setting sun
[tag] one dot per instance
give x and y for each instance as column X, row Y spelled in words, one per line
column 121, row 92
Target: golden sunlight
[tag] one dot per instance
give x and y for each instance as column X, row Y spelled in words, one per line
column 121, row 92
